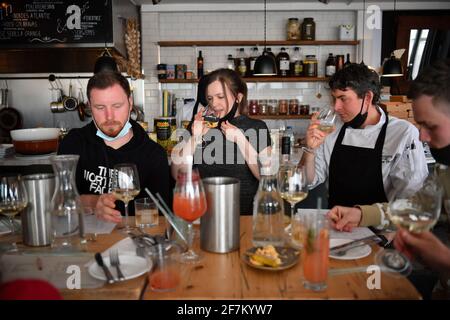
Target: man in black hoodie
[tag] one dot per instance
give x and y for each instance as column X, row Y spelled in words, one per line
column 112, row 138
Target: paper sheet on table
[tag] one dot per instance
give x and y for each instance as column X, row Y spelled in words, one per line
column 94, row 225
column 355, row 234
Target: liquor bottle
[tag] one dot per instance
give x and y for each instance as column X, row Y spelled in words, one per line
column 330, row 66
column 200, row 71
column 254, row 55
column 347, row 62
column 283, row 63
column 230, row 62
column 296, row 63
column 242, row 63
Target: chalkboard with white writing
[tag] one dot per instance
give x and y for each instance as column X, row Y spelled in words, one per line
column 43, row 23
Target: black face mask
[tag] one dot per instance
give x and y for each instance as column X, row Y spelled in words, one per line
column 441, row 155
column 229, row 115
column 359, row 119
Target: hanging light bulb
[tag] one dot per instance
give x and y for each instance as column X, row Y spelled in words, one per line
column 105, row 62
column 265, row 64
column 392, row 67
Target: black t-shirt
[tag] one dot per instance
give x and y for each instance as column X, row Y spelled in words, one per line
column 93, row 174
column 220, row 157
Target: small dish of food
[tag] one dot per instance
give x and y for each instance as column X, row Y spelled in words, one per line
column 271, row 258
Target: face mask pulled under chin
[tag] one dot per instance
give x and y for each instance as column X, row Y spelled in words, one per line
column 230, row 115
column 121, row 134
column 359, row 119
column 441, row 155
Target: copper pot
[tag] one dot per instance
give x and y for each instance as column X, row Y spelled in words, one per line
column 36, row 146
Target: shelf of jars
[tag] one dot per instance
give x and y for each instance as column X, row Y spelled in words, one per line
column 257, row 79
column 279, row 117
column 256, row 43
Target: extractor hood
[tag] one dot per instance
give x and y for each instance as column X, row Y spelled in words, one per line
column 61, row 36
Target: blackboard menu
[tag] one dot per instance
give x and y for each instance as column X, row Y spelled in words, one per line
column 49, row 23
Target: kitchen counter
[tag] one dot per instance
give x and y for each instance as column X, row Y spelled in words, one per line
column 23, row 160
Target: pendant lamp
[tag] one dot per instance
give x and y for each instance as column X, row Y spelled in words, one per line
column 265, row 64
column 105, row 62
column 392, row 67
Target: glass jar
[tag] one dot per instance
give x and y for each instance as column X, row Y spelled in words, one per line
column 283, row 107
column 253, row 107
column 263, row 107
column 304, row 109
column 308, row 29
column 310, row 66
column 293, row 107
column 273, row 107
column 293, row 29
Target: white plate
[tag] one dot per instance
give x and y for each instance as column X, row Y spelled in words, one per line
column 352, row 254
column 131, row 267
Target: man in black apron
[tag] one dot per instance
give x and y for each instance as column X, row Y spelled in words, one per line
column 355, row 173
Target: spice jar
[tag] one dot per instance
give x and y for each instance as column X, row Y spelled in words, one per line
column 304, row 109
column 293, row 29
column 308, row 29
column 253, row 108
column 310, row 66
column 273, row 107
column 293, row 107
column 283, row 107
column 263, row 107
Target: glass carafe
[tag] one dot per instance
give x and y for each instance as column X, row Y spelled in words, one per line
column 268, row 209
column 65, row 207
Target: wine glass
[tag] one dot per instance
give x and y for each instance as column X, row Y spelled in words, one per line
column 292, row 185
column 210, row 117
column 13, row 199
column 125, row 186
column 189, row 203
column 326, row 118
column 418, row 213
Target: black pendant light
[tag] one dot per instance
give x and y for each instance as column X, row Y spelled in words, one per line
column 265, row 64
column 105, row 62
column 392, row 67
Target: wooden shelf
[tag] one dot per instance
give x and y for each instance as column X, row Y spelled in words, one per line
column 257, row 79
column 279, row 117
column 255, row 43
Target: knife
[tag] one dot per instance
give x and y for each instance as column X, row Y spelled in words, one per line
column 99, row 259
column 354, row 244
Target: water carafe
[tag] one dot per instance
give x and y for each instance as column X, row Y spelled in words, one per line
column 66, row 208
column 268, row 208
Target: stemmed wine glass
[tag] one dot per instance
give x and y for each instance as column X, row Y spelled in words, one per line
column 189, row 203
column 326, row 118
column 418, row 213
column 125, row 186
column 13, row 199
column 292, row 185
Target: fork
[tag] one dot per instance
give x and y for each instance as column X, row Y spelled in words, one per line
column 115, row 262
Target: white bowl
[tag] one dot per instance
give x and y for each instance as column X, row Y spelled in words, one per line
column 35, row 134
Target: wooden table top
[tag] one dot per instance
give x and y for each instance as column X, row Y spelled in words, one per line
column 227, row 276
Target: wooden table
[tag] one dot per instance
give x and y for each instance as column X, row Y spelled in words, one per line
column 226, row 276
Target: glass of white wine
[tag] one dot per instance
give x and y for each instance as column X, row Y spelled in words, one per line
column 13, row 199
column 326, row 118
column 292, row 185
column 125, row 186
column 418, row 213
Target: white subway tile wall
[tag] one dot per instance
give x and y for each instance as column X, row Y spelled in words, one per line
column 185, row 26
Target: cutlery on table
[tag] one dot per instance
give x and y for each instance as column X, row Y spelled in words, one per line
column 115, row 262
column 99, row 259
column 343, row 248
